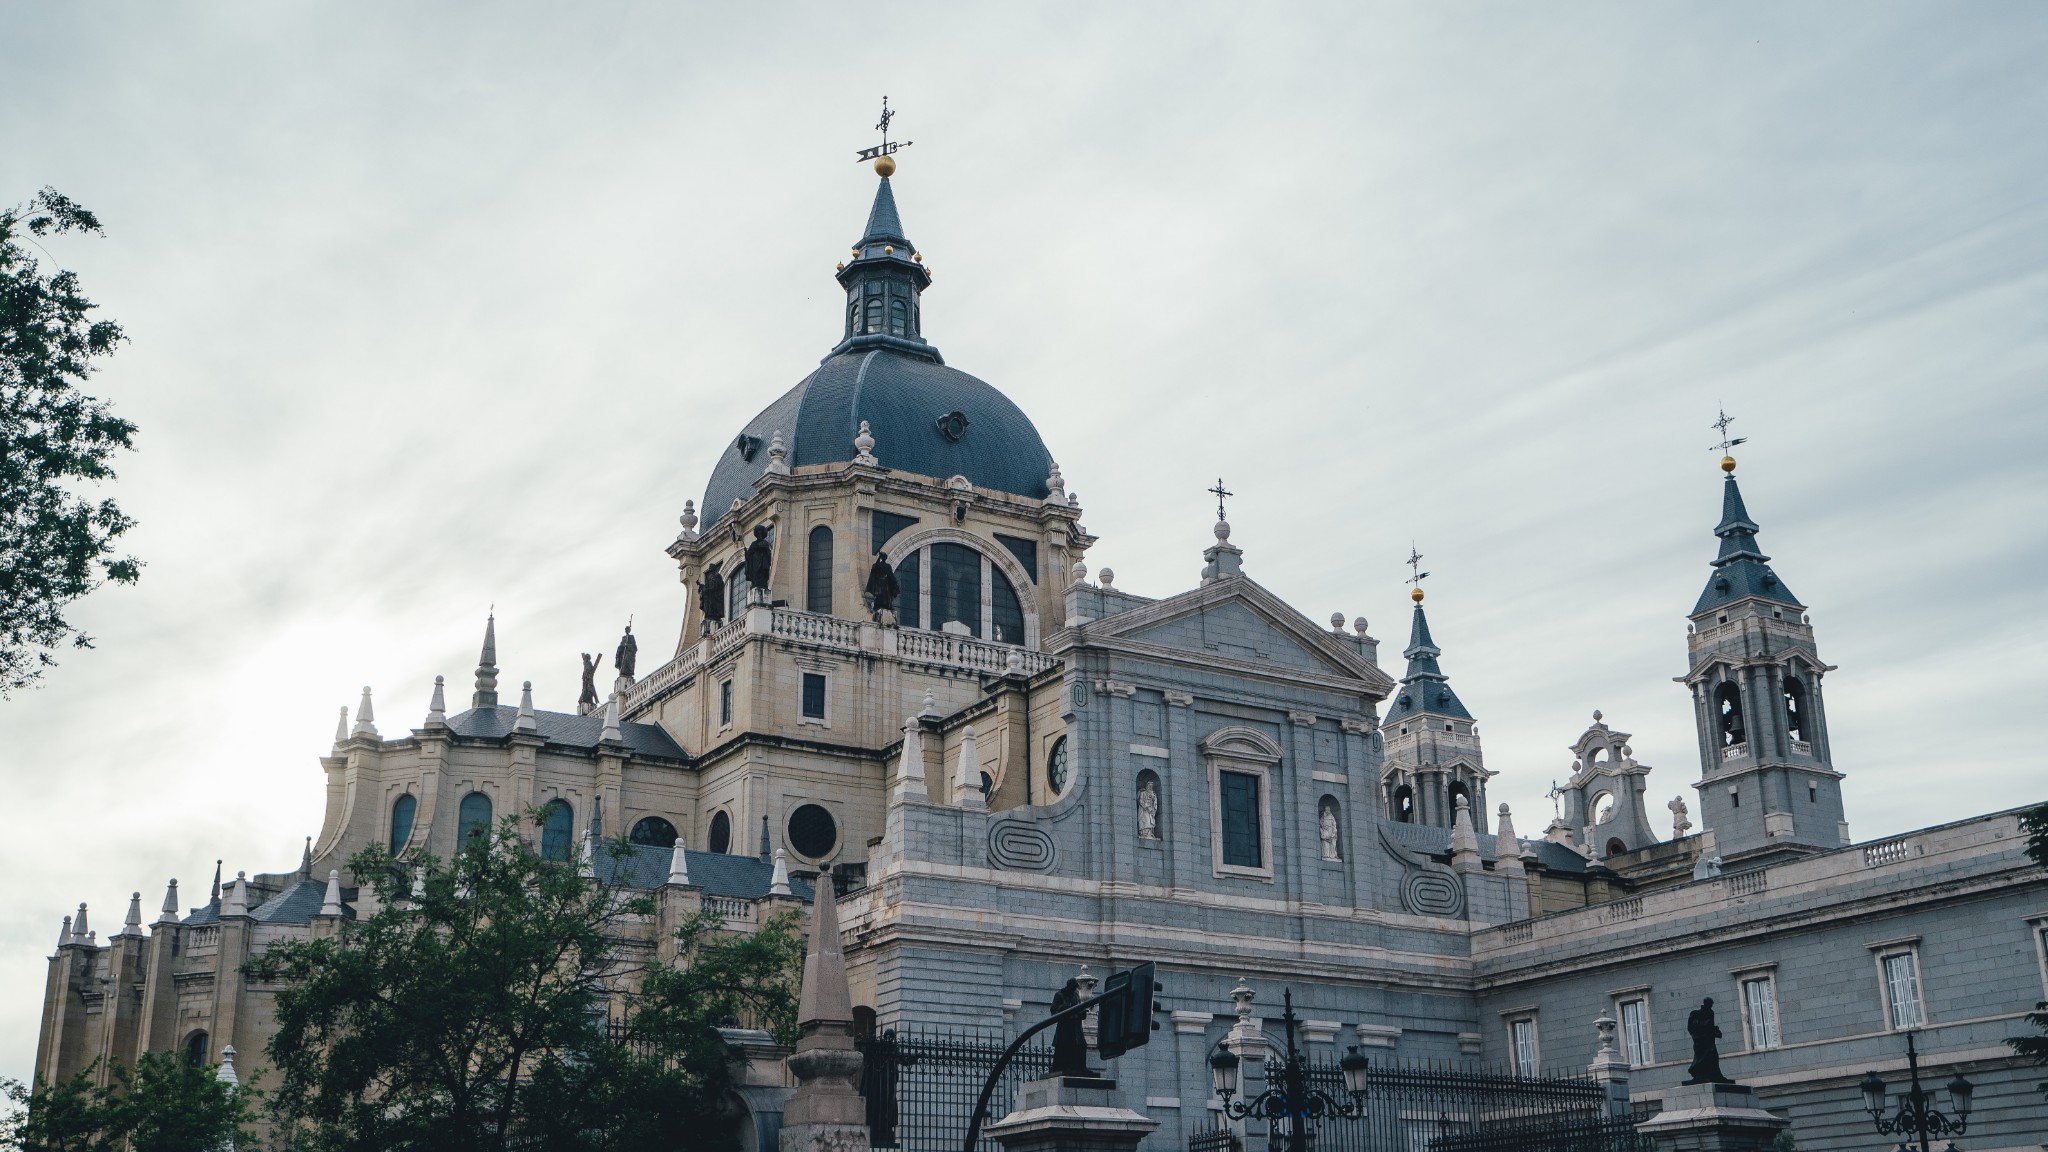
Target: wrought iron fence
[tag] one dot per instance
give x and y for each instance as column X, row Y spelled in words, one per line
column 921, row 1085
column 1221, row 1138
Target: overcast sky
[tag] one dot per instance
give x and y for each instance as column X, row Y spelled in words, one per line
column 439, row 306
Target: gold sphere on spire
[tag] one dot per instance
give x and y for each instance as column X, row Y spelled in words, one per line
column 885, row 167
column 1415, row 594
column 1728, row 464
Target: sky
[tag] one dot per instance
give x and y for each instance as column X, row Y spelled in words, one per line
column 435, row 308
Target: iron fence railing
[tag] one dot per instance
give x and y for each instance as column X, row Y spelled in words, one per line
column 1221, row 1138
column 921, row 1085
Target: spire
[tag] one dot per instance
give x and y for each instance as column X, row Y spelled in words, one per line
column 1425, row 688
column 967, row 774
column 1464, row 841
column 132, row 926
column 306, row 861
column 169, row 915
column 237, row 897
column 778, row 880
column 64, row 933
column 526, row 721
column 486, row 695
column 825, row 998
column 437, row 707
column 213, row 901
column 78, row 925
column 366, row 718
column 884, row 283
column 1740, row 569
column 679, row 865
column 341, row 726
column 611, row 733
column 331, row 904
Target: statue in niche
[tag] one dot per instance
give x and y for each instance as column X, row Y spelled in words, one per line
column 759, row 560
column 711, row 596
column 1327, row 828
column 586, row 701
column 1706, row 1054
column 1148, row 809
column 1069, row 1046
column 882, row 588
column 1681, row 821
column 628, row 654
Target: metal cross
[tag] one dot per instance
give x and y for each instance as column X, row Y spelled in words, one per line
column 1220, row 492
column 1415, row 567
column 1722, row 425
column 1555, row 792
column 884, row 148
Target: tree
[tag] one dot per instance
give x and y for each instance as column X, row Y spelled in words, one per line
column 55, row 544
column 2034, row 824
column 476, row 1015
column 163, row 1104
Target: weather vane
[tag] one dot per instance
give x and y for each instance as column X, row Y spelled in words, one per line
column 1417, row 575
column 885, row 148
column 1721, row 425
column 1219, row 491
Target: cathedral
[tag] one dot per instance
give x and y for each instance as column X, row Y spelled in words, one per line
column 895, row 672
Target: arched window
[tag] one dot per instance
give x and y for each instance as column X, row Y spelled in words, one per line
column 874, row 323
column 197, row 1049
column 818, row 572
column 1404, row 804
column 852, row 315
column 1451, row 795
column 720, row 837
column 899, row 316
column 473, row 819
column 1603, row 807
column 956, row 586
column 1615, row 847
column 1795, row 708
column 1728, row 709
column 909, row 581
column 557, row 829
column 655, row 831
column 735, row 591
column 402, row 812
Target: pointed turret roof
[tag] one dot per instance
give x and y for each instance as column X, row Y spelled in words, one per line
column 486, row 695
column 884, row 225
column 1425, row 688
column 1741, row 569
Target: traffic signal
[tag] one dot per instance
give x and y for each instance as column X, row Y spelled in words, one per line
column 1123, row 1013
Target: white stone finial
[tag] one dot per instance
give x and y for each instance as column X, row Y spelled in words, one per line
column 967, row 775
column 778, row 456
column 688, row 520
column 1604, row 1025
column 1086, row 982
column 64, row 933
column 132, row 926
column 331, row 904
column 1055, row 486
column 1596, row 716
column 1080, row 573
column 587, row 866
column 910, row 763
column 366, row 718
column 437, row 707
column 1074, row 501
column 679, row 865
column 1336, row 622
column 1358, row 625
column 526, row 721
column 1107, row 578
column 78, row 928
column 778, row 880
column 1013, row 664
column 226, row 1075
column 864, row 445
column 931, row 704
column 1464, row 841
column 419, row 883
column 1222, row 531
column 341, row 727
column 237, row 903
column 612, row 733
column 169, row 915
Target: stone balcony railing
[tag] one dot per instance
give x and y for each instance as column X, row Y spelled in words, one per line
column 839, row 634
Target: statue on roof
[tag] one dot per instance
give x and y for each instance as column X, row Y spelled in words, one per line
column 627, row 656
column 711, row 596
column 586, row 702
column 760, row 561
column 882, row 588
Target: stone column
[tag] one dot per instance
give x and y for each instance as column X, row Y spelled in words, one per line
column 1712, row 1118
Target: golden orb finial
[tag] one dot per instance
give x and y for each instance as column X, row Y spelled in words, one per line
column 1416, row 595
column 885, row 167
column 1728, row 464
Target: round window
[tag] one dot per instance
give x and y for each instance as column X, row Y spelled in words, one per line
column 1056, row 766
column 812, row 832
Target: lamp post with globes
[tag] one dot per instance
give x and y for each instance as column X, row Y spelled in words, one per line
column 1290, row 1099
column 1916, row 1115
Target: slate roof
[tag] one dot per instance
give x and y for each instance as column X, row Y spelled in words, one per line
column 1740, row 569
column 743, row 877
column 1424, row 688
column 1437, row 842
column 297, row 904
column 567, row 730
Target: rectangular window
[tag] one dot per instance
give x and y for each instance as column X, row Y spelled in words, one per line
column 1522, row 1042
column 1026, row 552
column 818, row 572
column 886, row 526
column 1635, row 1031
column 1902, row 989
column 814, row 696
column 735, row 590
column 956, row 587
column 1239, row 793
column 724, row 703
column 908, row 569
column 1760, row 1011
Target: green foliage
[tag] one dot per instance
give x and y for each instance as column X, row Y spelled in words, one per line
column 163, row 1104
column 2034, row 824
column 475, row 1016
column 1785, row 1142
column 55, row 545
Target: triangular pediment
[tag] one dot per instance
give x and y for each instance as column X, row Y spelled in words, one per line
column 1235, row 620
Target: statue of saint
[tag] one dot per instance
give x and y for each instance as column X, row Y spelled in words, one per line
column 1328, row 831
column 711, row 596
column 1069, row 1046
column 627, row 655
column 1706, row 1056
column 586, row 702
column 760, row 559
column 882, row 588
column 1148, row 809
column 1681, row 822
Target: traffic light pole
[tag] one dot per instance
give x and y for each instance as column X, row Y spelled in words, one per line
column 988, row 1086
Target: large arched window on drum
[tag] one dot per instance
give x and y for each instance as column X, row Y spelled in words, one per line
column 949, row 583
column 956, row 586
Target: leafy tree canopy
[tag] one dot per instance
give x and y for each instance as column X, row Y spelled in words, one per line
column 503, row 1008
column 55, row 544
column 163, row 1104
column 2034, row 823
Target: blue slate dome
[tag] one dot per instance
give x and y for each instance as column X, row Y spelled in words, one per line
column 926, row 418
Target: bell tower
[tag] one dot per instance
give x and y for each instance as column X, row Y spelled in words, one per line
column 1432, row 743
column 1767, row 784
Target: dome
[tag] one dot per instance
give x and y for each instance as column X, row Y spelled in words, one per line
column 906, row 401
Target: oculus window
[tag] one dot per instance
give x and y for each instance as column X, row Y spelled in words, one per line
column 812, row 831
column 1056, row 766
column 719, row 839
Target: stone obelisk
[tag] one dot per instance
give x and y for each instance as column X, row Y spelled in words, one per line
column 826, row 1113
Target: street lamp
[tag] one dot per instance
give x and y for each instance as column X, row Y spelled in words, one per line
column 1917, row 1115
column 1291, row 1099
